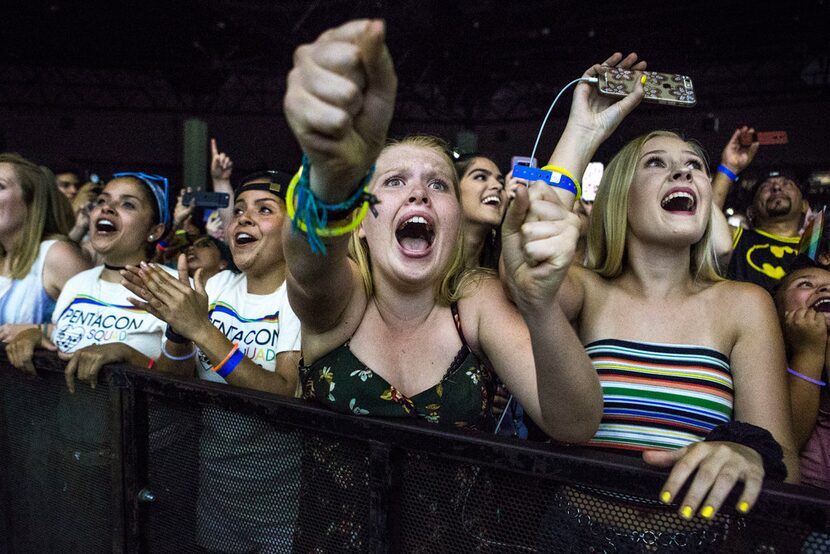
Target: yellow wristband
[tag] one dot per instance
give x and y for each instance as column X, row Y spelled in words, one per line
column 291, row 210
column 567, row 174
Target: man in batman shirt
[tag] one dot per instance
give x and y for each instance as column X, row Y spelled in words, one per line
column 761, row 253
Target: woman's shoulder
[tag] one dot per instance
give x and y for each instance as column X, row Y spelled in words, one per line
column 739, row 291
column 223, row 281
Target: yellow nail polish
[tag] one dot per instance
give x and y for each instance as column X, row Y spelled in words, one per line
column 643, row 79
column 707, row 512
column 743, row 507
column 687, row 512
column 665, row 497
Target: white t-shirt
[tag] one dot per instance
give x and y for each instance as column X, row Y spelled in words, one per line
column 263, row 325
column 91, row 311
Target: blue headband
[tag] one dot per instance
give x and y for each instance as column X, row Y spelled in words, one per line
column 159, row 186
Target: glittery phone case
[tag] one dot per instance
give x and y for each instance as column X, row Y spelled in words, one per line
column 660, row 88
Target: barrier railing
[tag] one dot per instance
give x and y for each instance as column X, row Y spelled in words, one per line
column 148, row 463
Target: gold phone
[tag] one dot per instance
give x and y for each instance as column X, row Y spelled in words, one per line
column 661, row 88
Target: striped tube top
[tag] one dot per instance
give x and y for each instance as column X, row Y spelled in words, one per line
column 659, row 396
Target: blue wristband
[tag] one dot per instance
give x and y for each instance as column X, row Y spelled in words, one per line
column 728, row 172
column 231, row 364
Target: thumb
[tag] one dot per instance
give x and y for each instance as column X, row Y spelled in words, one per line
column 47, row 345
column 181, row 265
column 199, row 281
column 627, row 104
column 64, row 355
column 663, row 458
column 380, row 71
column 516, row 212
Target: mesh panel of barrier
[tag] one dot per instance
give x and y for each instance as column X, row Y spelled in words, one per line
column 234, row 482
column 237, row 472
column 447, row 506
column 57, row 466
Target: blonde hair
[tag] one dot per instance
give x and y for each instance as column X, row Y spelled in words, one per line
column 453, row 278
column 609, row 219
column 48, row 213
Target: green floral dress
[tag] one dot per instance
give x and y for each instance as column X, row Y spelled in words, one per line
column 462, row 398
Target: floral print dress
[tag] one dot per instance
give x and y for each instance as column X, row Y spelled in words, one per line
column 462, row 398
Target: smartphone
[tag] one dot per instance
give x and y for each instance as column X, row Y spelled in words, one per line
column 205, row 199
column 661, row 88
column 524, row 160
column 765, row 138
column 590, row 180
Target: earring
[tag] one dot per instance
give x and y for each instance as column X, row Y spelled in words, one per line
column 152, row 237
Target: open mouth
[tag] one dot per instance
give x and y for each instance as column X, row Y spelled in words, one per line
column 105, row 226
column 415, row 234
column 242, row 239
column 822, row 305
column 679, row 201
column 492, row 200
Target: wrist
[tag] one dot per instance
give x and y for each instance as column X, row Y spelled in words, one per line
column 728, row 171
column 201, row 333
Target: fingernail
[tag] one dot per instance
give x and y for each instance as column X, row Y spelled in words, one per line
column 143, row 264
column 643, row 79
column 665, row 496
column 743, row 507
column 687, row 512
column 707, row 512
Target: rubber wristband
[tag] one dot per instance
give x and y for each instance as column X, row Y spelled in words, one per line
column 177, row 358
column 228, row 367
column 808, row 379
column 152, row 363
column 218, row 366
column 173, row 336
column 728, row 172
column 570, row 183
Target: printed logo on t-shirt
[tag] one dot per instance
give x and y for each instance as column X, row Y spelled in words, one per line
column 96, row 321
column 770, row 259
column 257, row 337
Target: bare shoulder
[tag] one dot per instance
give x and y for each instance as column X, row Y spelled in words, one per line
column 65, row 256
column 741, row 298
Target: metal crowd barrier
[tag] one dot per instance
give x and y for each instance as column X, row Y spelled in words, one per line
column 146, row 463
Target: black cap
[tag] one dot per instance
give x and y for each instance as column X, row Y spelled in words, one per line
column 277, row 182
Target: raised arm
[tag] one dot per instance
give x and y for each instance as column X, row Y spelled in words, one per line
column 592, row 119
column 736, row 156
column 339, row 103
column 532, row 345
column 221, row 168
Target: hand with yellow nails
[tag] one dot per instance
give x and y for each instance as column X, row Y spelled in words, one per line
column 717, row 468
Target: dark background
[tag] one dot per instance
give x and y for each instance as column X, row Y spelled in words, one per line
column 108, row 85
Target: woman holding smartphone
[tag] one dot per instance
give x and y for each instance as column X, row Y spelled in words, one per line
column 708, row 400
